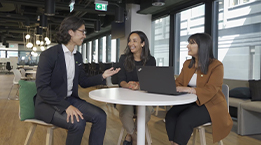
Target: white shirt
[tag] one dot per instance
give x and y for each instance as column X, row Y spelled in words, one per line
column 70, row 68
column 193, row 81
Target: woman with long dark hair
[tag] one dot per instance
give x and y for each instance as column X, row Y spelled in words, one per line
column 202, row 75
column 137, row 53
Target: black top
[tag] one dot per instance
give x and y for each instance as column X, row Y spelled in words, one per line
column 124, row 75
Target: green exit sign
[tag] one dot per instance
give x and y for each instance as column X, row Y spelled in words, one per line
column 100, row 7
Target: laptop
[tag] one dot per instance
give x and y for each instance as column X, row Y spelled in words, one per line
column 158, row 80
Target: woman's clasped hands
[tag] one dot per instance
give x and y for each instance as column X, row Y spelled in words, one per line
column 134, row 85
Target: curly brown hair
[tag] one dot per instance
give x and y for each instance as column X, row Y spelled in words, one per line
column 69, row 23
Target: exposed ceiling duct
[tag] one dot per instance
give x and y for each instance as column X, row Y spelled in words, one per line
column 49, row 7
column 18, row 15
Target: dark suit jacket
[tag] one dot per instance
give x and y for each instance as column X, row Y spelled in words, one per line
column 51, row 82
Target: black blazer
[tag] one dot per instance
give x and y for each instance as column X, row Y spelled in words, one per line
column 51, row 82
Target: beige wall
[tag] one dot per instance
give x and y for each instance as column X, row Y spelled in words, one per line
column 135, row 22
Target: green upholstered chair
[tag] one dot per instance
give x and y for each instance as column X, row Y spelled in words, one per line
column 27, row 91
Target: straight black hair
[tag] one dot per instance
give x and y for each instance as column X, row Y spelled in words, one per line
column 205, row 51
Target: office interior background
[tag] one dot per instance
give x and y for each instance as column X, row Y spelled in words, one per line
column 235, row 26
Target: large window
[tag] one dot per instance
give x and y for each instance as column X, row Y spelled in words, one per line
column 12, row 54
column 89, row 51
column 79, row 48
column 95, row 51
column 189, row 22
column 160, row 41
column 2, row 54
column 26, row 57
column 102, row 49
column 237, row 2
column 84, row 56
column 113, row 50
column 239, row 44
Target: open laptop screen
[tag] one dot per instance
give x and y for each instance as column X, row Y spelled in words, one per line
column 157, row 79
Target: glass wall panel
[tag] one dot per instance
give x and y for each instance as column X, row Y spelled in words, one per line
column 102, row 49
column 113, row 50
column 95, row 51
column 35, row 57
column 160, row 41
column 12, row 54
column 26, row 57
column 2, row 54
column 79, row 48
column 233, row 3
column 190, row 21
column 89, row 51
column 108, row 52
column 239, row 45
column 84, row 56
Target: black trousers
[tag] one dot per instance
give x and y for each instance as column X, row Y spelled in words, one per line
column 92, row 114
column 182, row 119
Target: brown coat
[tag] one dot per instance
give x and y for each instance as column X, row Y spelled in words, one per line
column 209, row 93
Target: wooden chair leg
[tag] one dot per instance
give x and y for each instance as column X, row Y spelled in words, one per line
column 17, row 96
column 10, row 92
column 49, row 136
column 157, row 111
column 202, row 135
column 148, row 135
column 30, row 134
column 220, row 142
column 120, row 137
column 194, row 136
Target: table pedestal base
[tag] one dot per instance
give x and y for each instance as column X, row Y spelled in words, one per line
column 141, row 125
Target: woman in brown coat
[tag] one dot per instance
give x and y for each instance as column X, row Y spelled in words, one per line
column 202, row 75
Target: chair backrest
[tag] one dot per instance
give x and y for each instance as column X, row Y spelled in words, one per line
column 27, row 91
column 114, row 79
column 22, row 72
column 109, row 82
column 17, row 76
column 225, row 91
column 8, row 66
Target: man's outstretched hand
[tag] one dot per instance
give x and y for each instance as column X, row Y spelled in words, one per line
column 109, row 72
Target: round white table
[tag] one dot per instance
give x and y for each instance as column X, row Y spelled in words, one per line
column 141, row 99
